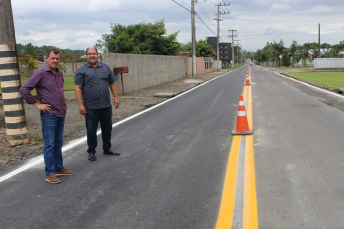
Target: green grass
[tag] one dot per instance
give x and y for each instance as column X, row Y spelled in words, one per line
column 332, row 80
column 300, row 67
column 68, row 84
column 38, row 137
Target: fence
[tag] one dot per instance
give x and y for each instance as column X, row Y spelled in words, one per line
column 329, row 63
column 40, row 60
column 270, row 64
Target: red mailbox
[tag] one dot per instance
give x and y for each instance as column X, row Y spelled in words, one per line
column 120, row 70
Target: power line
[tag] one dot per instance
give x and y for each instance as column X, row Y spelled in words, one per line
column 197, row 14
column 181, row 5
column 205, row 24
column 287, row 11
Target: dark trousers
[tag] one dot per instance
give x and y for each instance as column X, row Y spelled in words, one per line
column 93, row 118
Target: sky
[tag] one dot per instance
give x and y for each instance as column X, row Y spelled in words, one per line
column 78, row 24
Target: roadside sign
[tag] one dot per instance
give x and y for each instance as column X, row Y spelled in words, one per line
column 280, row 56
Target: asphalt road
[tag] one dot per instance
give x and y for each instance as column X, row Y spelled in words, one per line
column 298, row 143
column 170, row 173
column 174, row 157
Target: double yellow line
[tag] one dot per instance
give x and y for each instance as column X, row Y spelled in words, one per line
column 227, row 209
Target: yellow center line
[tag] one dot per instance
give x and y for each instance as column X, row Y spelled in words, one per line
column 250, row 198
column 250, row 211
column 228, row 195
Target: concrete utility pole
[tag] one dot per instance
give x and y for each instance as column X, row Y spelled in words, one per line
column 15, row 120
column 237, row 50
column 319, row 41
column 218, row 34
column 193, row 38
column 233, row 46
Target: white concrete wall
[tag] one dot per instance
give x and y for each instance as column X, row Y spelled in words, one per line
column 146, row 70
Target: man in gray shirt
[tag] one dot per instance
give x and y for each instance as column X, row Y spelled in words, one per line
column 92, row 83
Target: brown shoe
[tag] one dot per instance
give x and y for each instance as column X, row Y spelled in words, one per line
column 64, row 172
column 52, row 179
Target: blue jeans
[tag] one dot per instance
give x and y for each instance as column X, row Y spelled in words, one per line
column 93, row 117
column 52, row 130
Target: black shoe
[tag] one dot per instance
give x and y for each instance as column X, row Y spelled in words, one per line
column 92, row 156
column 110, row 152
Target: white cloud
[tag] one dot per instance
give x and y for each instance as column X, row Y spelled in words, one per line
column 277, row 6
column 102, row 5
column 321, row 9
column 78, row 24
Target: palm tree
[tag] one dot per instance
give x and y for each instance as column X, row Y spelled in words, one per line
column 293, row 49
column 326, row 48
column 304, row 51
column 278, row 49
column 335, row 51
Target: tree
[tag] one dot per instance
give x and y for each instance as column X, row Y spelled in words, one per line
column 20, row 49
column 258, row 56
column 62, row 67
column 313, row 48
column 203, row 49
column 264, row 55
column 326, row 48
column 30, row 50
column 248, row 54
column 278, row 50
column 140, row 39
column 293, row 48
column 335, row 51
column 30, row 65
column 304, row 52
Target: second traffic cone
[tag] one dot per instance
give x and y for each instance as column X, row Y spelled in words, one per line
column 248, row 81
column 242, row 127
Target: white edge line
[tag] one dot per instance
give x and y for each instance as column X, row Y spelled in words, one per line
column 84, row 139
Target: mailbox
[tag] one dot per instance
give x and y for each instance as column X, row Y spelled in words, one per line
column 121, row 70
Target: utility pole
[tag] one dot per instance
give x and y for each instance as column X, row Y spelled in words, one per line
column 193, row 38
column 319, row 40
column 14, row 111
column 218, row 34
column 233, row 46
column 237, row 50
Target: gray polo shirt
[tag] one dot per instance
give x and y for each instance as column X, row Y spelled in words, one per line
column 95, row 85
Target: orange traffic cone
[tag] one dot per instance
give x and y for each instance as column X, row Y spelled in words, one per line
column 248, row 81
column 242, row 123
